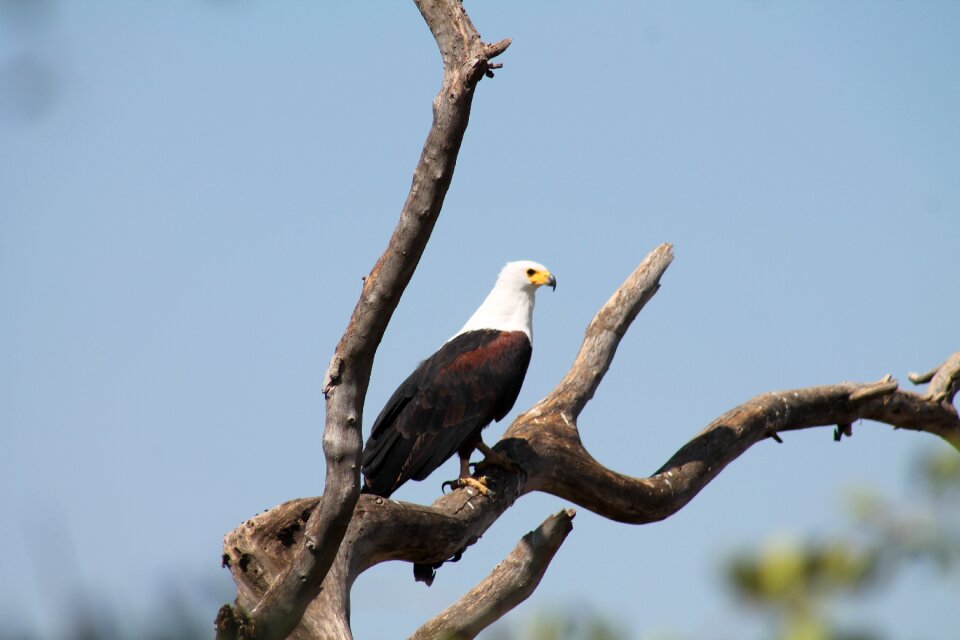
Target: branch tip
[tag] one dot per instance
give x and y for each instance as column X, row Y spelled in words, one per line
column 494, row 49
column 604, row 333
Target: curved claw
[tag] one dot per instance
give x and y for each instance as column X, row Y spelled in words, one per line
column 477, row 484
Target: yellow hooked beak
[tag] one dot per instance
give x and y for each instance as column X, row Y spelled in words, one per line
column 540, row 278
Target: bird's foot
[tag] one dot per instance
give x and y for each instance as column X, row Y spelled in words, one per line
column 478, row 484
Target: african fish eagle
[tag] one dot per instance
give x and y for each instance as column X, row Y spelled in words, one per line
column 473, row 379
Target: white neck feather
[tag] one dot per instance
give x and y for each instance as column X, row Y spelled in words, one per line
column 508, row 307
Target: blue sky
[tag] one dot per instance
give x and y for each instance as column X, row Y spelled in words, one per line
column 191, row 191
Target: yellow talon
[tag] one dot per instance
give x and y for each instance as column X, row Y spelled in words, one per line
column 480, row 484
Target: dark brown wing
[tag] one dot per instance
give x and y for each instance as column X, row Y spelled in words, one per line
column 470, row 381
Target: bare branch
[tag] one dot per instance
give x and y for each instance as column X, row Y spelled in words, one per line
column 510, row 583
column 922, row 378
column 603, row 336
column 944, row 380
column 563, row 467
column 465, row 59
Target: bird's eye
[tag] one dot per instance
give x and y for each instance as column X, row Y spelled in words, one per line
column 530, row 272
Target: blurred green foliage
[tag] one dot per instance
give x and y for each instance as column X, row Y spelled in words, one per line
column 793, row 583
column 588, row 626
column 177, row 614
column 561, row 624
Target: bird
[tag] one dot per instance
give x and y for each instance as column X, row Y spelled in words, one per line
column 473, row 379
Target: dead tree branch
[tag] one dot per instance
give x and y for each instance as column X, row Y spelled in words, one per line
column 545, row 445
column 277, row 611
column 603, row 336
column 510, row 583
column 564, row 468
column 944, row 380
column 295, row 565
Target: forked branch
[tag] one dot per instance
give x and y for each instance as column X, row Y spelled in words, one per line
column 944, row 380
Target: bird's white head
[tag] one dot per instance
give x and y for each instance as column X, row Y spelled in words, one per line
column 509, row 306
column 525, row 274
